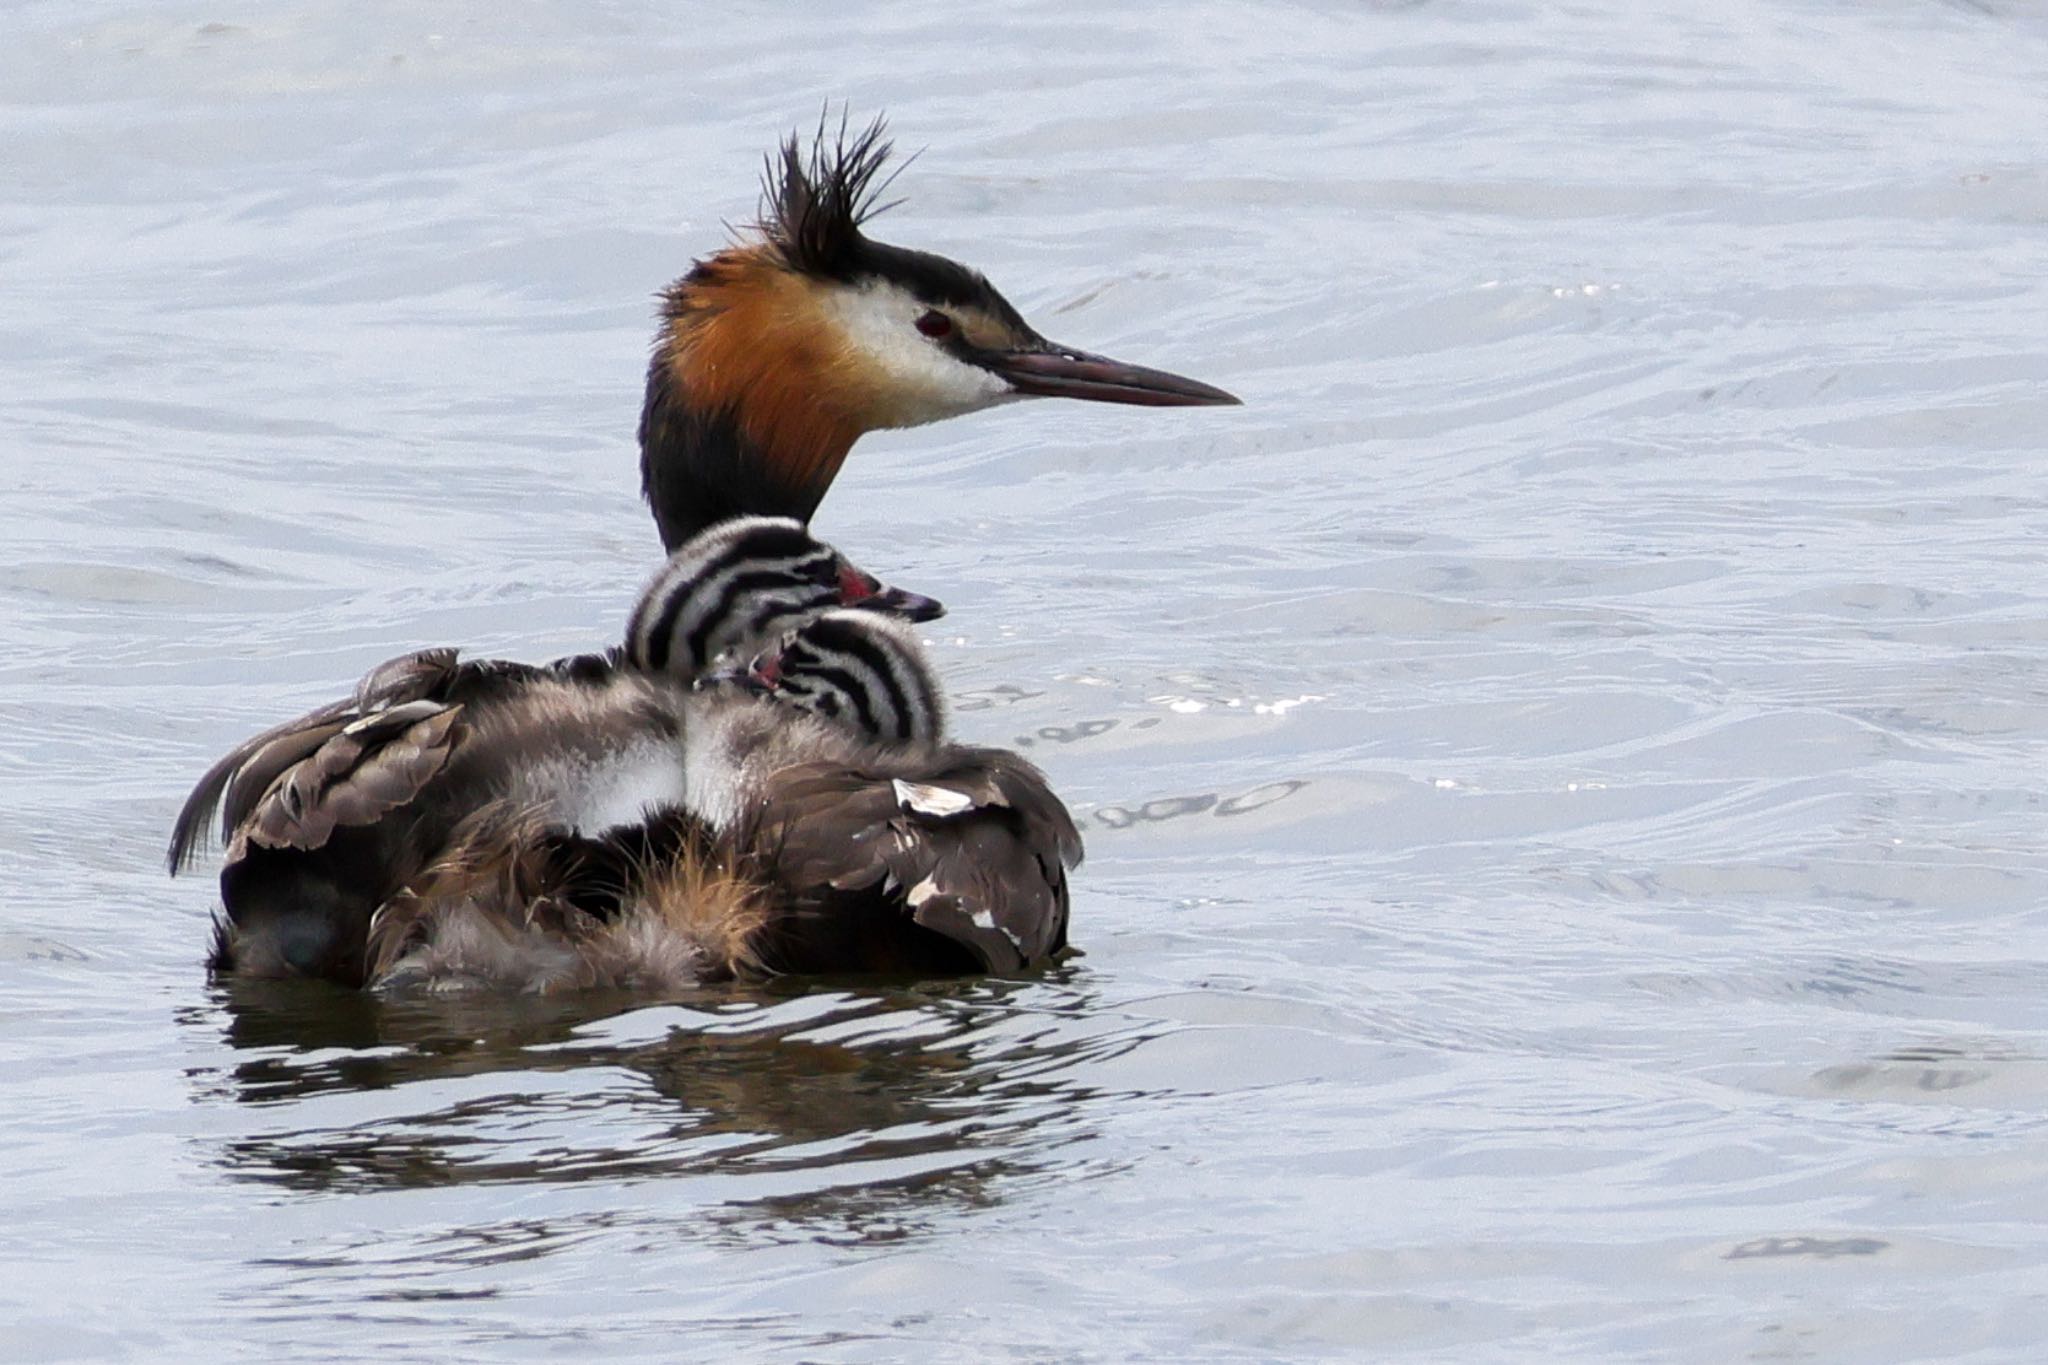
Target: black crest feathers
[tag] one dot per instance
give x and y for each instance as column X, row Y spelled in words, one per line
column 814, row 202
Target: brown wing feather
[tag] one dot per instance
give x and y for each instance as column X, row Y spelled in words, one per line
column 367, row 769
column 250, row 768
column 972, row 845
column 409, row 677
column 270, row 762
column 257, row 761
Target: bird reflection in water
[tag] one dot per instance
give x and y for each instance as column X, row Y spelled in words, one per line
column 837, row 1109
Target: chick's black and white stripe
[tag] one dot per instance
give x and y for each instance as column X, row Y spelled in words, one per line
column 742, row 581
column 867, row 672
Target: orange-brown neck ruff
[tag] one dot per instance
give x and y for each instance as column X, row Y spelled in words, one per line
column 749, row 405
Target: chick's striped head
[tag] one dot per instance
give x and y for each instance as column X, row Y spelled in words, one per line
column 744, row 582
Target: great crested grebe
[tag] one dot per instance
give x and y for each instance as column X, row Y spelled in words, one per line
column 829, row 827
column 774, row 356
column 777, row 353
column 329, row 816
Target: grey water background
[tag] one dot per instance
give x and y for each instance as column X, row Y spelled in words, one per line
column 1562, row 765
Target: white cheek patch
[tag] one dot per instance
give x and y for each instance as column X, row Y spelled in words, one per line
column 918, row 381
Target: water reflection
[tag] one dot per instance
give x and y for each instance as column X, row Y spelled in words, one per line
column 1202, row 803
column 837, row 1108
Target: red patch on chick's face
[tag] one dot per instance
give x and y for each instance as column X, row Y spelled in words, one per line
column 854, row 586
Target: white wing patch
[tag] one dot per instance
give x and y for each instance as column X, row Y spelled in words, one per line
column 922, row 798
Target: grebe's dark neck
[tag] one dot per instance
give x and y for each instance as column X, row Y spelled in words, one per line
column 699, row 468
column 742, row 415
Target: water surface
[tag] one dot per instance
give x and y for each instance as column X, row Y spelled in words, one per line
column 1561, row 765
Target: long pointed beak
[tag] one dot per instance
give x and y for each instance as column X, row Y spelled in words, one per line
column 1054, row 371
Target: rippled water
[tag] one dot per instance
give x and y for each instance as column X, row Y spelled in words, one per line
column 1562, row 765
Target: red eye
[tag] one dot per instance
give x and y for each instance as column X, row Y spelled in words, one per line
column 935, row 325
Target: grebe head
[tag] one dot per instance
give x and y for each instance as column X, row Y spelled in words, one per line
column 865, row 671
column 780, row 351
column 744, row 581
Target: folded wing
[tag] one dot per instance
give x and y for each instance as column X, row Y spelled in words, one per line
column 973, row 847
